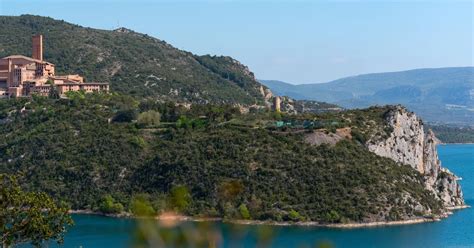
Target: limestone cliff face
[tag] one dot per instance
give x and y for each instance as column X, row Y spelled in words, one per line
column 408, row 143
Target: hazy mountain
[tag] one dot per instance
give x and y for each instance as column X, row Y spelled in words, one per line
column 438, row 95
column 133, row 63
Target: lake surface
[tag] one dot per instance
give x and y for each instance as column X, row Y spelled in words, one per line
column 455, row 231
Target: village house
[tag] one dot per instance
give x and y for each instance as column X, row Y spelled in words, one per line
column 23, row 76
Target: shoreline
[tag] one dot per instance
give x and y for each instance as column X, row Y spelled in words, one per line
column 458, row 207
column 338, row 225
column 180, row 218
column 468, row 143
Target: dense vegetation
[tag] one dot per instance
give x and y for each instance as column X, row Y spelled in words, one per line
column 133, row 63
column 112, row 153
column 29, row 217
column 454, row 134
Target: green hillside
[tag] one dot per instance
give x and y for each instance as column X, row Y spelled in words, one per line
column 133, row 63
column 454, row 134
column 102, row 152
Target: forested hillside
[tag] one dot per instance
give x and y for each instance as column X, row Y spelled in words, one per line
column 454, row 134
column 103, row 152
column 133, row 63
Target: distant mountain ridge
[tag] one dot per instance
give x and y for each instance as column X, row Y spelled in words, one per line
column 438, row 94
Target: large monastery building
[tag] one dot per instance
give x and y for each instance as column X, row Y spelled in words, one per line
column 24, row 76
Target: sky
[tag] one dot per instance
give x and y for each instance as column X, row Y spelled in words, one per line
column 294, row 41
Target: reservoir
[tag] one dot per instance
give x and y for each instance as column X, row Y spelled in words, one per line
column 456, row 231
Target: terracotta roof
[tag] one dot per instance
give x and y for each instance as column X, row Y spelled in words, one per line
column 26, row 58
column 96, row 83
column 86, row 84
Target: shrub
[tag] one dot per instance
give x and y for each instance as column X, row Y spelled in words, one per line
column 160, row 202
column 229, row 210
column 180, row 198
column 141, row 206
column 244, row 212
column 183, row 122
column 333, row 216
column 149, row 118
column 358, row 136
column 138, row 141
column 109, row 206
column 53, row 92
column 294, row 215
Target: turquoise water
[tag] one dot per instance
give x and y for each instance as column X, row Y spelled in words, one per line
column 455, row 231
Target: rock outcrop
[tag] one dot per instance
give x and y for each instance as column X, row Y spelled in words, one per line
column 319, row 137
column 408, row 143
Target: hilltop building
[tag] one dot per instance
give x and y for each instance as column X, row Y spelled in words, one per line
column 24, row 76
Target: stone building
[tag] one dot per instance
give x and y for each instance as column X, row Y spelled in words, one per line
column 24, row 76
column 277, row 104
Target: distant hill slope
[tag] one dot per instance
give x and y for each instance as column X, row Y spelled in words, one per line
column 438, row 95
column 133, row 63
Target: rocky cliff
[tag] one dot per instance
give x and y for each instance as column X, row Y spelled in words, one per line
column 406, row 141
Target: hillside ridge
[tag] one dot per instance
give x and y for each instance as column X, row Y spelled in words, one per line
column 133, row 63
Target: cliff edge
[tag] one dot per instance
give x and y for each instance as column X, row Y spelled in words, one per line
column 406, row 141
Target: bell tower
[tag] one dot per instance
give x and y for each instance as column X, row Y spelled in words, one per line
column 38, row 47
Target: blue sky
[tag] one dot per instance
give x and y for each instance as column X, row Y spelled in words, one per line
column 293, row 41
